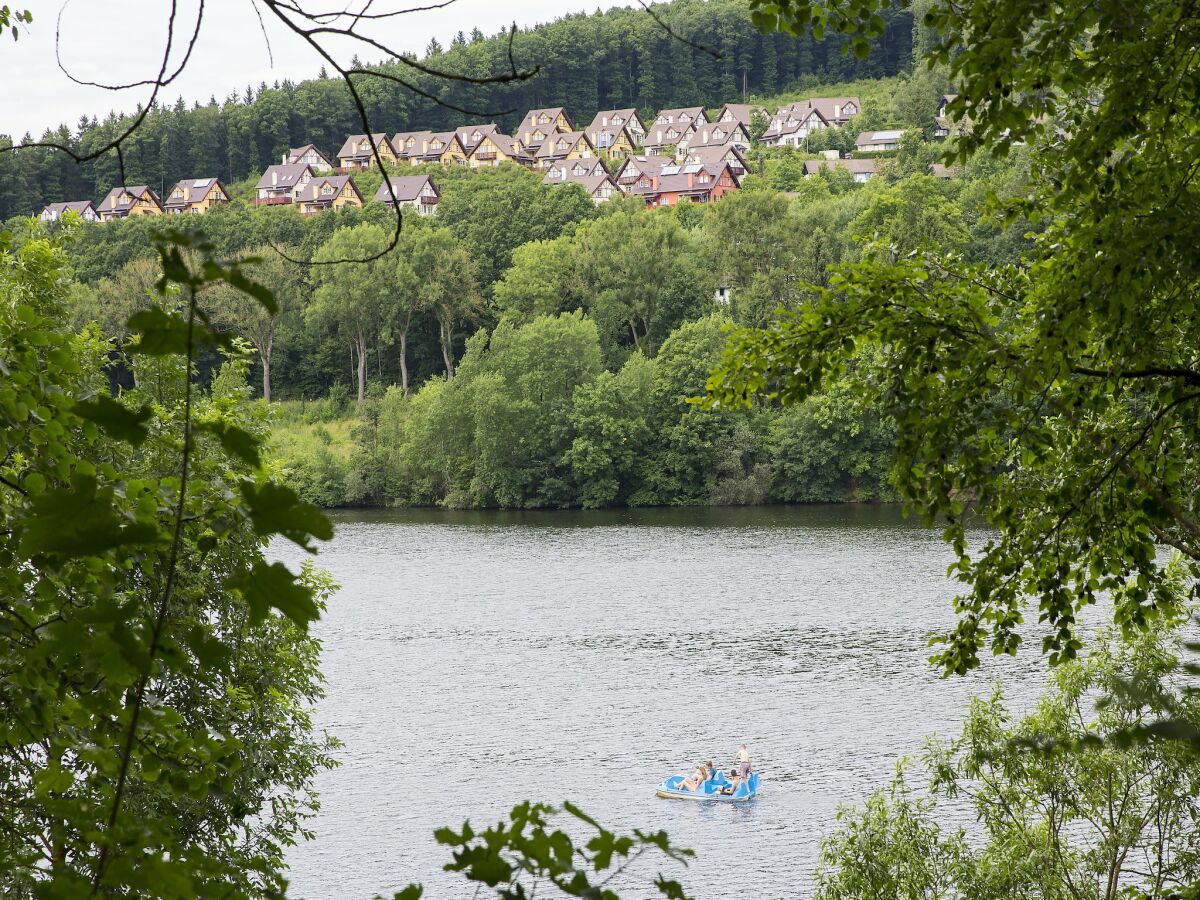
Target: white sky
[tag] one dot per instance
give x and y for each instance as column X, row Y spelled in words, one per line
column 100, row 41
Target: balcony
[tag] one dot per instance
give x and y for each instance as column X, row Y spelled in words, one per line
column 271, row 201
column 485, row 155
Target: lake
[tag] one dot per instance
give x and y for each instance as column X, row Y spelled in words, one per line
column 475, row 660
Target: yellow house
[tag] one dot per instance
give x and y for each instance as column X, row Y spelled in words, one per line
column 121, row 202
column 540, row 124
column 328, row 192
column 196, row 195
column 441, row 147
column 357, row 152
column 497, row 148
column 559, row 147
column 611, row 142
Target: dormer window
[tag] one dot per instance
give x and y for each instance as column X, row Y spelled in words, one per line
column 544, row 120
column 327, row 189
column 718, row 134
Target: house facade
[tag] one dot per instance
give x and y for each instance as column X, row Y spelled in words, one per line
column 717, row 134
column 496, row 148
column 600, row 186
column 358, row 151
column 563, row 147
column 539, row 124
column 862, row 170
column 84, row 209
column 437, row 148
column 196, row 196
column 633, row 168
column 616, row 132
column 323, row 192
column 566, row 169
column 791, row 126
column 738, row 112
column 309, row 155
column 696, row 182
column 470, row 136
column 879, row 141
column 728, row 154
column 418, row 192
column 280, row 184
column 122, row 202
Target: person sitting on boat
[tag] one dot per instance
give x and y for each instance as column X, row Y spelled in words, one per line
column 741, row 768
column 698, row 778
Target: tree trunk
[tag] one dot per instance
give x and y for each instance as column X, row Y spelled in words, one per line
column 404, row 362
column 362, row 367
column 447, row 331
column 265, row 355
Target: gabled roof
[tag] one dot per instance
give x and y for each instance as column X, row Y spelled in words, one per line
column 591, row 166
column 423, row 148
column 651, row 165
column 706, row 135
column 406, row 187
column 400, row 141
column 505, row 144
column 466, row 133
column 799, row 113
column 139, row 191
column 550, row 147
column 296, row 152
column 552, row 114
column 741, row 112
column 676, row 179
column 348, row 150
column 287, row 175
column 661, row 135
column 591, row 183
column 194, row 190
column 833, row 108
column 79, row 206
column 626, row 116
column 674, row 115
column 878, row 137
column 710, row 153
column 854, row 166
column 311, row 192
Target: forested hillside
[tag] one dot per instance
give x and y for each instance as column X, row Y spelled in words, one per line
column 620, row 58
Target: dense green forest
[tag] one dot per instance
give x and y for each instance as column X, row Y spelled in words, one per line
column 527, row 348
column 616, row 59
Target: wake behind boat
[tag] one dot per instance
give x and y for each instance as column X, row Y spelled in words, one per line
column 712, row 789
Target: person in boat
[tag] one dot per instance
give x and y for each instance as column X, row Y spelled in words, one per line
column 698, row 778
column 741, row 768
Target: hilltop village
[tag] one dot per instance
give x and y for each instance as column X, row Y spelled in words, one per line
column 682, row 154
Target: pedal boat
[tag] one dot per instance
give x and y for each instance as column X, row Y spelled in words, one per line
column 709, row 790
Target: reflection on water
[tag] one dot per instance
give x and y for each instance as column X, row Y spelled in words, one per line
column 478, row 659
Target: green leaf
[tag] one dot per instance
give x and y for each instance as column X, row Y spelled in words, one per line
column 117, row 419
column 412, row 892
column 266, row 587
column 80, row 521
column 275, row 509
column 236, row 441
column 159, row 333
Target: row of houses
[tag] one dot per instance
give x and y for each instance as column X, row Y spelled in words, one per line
column 681, row 153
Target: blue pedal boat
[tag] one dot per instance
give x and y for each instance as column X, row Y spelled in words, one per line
column 709, row 790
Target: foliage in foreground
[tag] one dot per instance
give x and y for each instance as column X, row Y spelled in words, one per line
column 157, row 674
column 1066, row 805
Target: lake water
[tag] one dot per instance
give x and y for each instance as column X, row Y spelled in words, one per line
column 475, row 660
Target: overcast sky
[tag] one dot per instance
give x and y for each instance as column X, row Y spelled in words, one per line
column 100, row 41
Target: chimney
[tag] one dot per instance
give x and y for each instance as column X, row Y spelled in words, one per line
column 691, row 175
column 283, row 159
column 274, row 178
